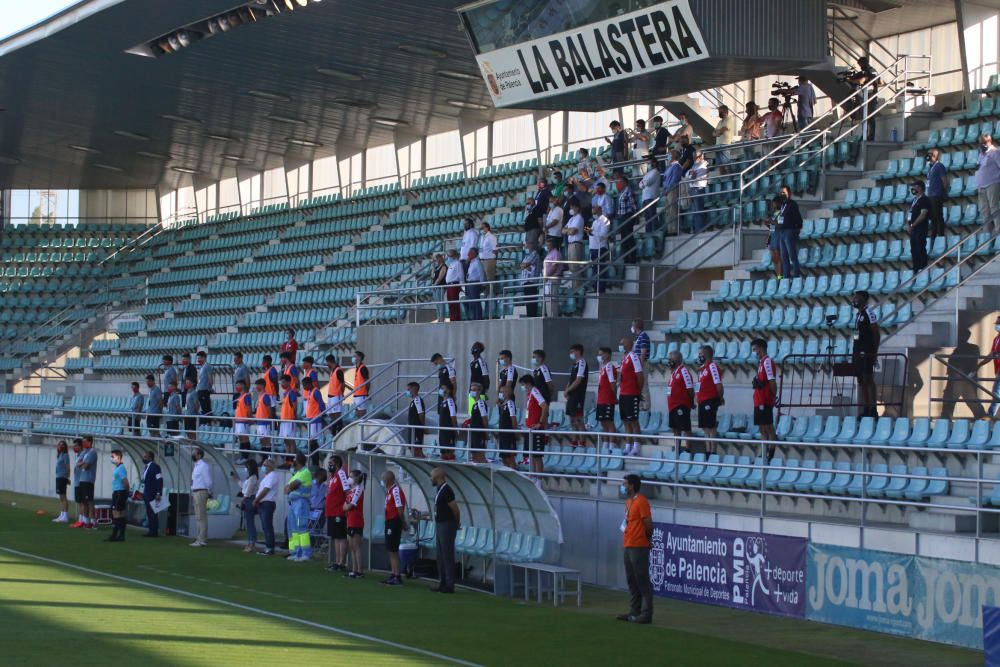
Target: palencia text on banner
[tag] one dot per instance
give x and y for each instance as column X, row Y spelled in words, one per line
column 658, row 37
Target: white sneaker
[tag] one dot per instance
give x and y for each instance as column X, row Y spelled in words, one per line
column 62, row 518
column 197, row 544
column 635, row 450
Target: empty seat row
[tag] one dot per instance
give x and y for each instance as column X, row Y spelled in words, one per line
column 836, row 285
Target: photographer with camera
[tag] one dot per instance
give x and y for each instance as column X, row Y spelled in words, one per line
column 862, row 104
column 806, row 102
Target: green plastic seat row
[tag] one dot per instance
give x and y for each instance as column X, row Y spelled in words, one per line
column 313, row 297
column 286, row 266
column 261, row 284
column 234, row 304
column 438, row 180
column 317, row 245
column 193, row 276
column 384, row 254
column 446, row 211
column 256, row 340
column 168, row 250
column 322, row 200
column 217, row 257
column 128, row 327
column 152, row 266
column 365, row 274
column 477, row 189
column 171, row 292
column 206, row 323
column 252, row 239
column 34, row 401
column 331, row 227
column 163, row 343
column 284, row 318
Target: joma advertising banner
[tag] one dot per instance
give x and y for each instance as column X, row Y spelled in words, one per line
column 655, row 38
column 752, row 571
column 928, row 598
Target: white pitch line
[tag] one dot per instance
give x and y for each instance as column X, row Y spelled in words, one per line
column 243, row 607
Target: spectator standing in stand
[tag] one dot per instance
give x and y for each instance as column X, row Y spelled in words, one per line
column 864, row 352
column 685, row 130
column 988, row 182
column 625, row 215
column 650, row 185
column 661, row 136
column 583, row 162
column 488, row 258
column 772, row 119
column 439, row 271
column 790, row 223
column 697, row 180
column 765, row 394
column 574, row 246
column 603, row 199
column 154, row 407
column 470, row 240
column 937, row 192
column 618, row 141
column 205, row 371
column 710, row 395
column 724, row 133
column 553, row 268
column 137, row 401
column 291, row 346
column 644, row 348
column 190, row 408
column 806, row 101
column 751, row 129
column 920, row 210
column 597, row 234
column 531, row 270
column 169, row 373
column 174, row 410
column 453, row 278
column 539, row 210
column 671, row 188
column 640, row 140
column 475, row 277
column 554, row 221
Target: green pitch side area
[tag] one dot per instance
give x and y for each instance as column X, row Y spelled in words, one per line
column 68, row 598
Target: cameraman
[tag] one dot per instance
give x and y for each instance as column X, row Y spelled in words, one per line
column 863, row 102
column 807, row 101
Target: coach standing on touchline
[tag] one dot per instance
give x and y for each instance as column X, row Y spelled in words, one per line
column 447, row 518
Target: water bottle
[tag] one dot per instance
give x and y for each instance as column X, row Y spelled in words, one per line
column 895, row 135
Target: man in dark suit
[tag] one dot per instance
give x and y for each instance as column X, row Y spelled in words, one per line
column 152, row 487
column 790, row 223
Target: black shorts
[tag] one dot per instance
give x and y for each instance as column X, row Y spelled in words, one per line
column 680, row 420
column 507, row 440
column 84, row 492
column 191, row 424
column 605, row 413
column 336, row 527
column 119, row 500
column 393, row 534
column 152, row 422
column 446, row 438
column 477, row 440
column 538, row 441
column 61, row 484
column 352, row 531
column 708, row 413
column 628, row 408
column 763, row 415
column 416, row 435
column 574, row 406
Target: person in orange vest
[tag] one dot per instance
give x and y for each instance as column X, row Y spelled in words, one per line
column 335, row 394
column 265, row 416
column 289, row 368
column 362, row 379
column 242, row 408
column 309, row 372
column 289, row 412
column 314, row 413
column 271, row 377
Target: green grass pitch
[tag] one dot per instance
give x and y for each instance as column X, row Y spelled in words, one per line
column 253, row 610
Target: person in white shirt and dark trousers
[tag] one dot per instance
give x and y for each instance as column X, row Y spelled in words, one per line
column 650, row 185
column 201, row 491
column 488, row 258
column 697, row 179
column 475, row 276
column 598, row 232
column 453, row 286
column 470, row 239
column 573, row 231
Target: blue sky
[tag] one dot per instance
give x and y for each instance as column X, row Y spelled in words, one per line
column 20, row 14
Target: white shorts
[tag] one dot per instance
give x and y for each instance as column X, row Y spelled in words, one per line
column 333, row 404
column 263, row 431
column 359, row 402
column 314, row 429
column 241, row 428
column 287, row 430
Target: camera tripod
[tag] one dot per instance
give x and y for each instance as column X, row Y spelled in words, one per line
column 788, row 116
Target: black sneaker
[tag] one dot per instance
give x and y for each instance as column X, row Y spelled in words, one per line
column 266, row 552
column 353, row 575
column 393, row 581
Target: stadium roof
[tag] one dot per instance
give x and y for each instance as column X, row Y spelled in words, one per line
column 70, row 81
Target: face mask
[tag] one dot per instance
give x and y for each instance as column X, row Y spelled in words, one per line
column 656, row 125
column 475, row 351
column 534, row 362
column 473, row 395
column 600, row 359
column 354, row 360
column 573, row 211
column 633, row 330
column 522, row 387
column 441, row 393
column 381, row 483
column 621, row 348
column 856, row 304
column 502, row 363
column 572, row 357
column 997, row 327
column 622, row 490
column 701, row 360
